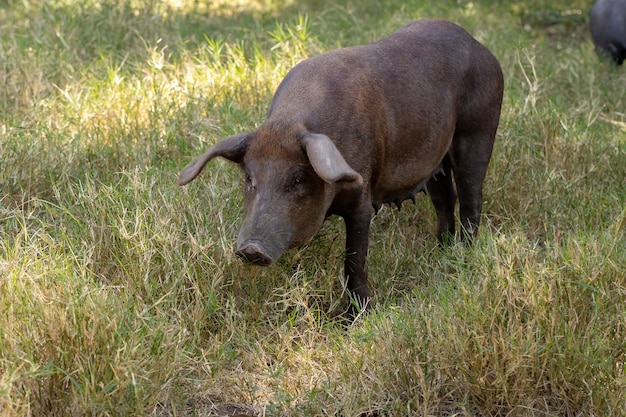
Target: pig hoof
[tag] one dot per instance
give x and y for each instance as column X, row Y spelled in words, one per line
column 253, row 252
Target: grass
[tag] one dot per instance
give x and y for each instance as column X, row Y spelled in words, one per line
column 120, row 292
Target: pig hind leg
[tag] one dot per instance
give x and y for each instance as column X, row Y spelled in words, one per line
column 472, row 144
column 443, row 195
column 469, row 157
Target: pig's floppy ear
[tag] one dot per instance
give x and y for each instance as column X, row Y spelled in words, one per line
column 232, row 148
column 328, row 162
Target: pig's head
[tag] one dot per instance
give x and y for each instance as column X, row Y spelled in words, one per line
column 291, row 180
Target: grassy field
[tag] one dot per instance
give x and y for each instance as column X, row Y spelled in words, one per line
column 120, row 294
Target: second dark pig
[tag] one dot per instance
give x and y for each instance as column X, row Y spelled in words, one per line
column 608, row 29
column 357, row 127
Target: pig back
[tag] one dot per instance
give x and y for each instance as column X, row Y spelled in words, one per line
column 391, row 106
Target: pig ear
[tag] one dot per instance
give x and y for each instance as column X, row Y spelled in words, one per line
column 232, row 148
column 328, row 162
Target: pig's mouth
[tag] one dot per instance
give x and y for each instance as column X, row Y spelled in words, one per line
column 252, row 251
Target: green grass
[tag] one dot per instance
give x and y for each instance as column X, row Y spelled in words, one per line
column 120, row 293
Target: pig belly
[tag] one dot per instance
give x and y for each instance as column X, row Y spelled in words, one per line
column 398, row 191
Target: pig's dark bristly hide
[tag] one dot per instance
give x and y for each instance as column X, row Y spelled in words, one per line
column 359, row 127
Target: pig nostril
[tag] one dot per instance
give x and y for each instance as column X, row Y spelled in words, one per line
column 252, row 252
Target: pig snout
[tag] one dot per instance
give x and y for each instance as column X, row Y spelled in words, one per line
column 253, row 251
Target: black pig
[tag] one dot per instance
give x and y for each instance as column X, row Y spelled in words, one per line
column 357, row 127
column 608, row 29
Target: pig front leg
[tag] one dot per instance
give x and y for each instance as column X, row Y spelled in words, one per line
column 357, row 240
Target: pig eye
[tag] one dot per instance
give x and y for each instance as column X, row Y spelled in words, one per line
column 298, row 181
column 249, row 183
